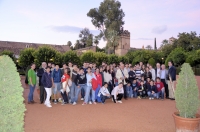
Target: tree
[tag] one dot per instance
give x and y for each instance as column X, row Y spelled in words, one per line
column 9, row 53
column 86, row 38
column 69, row 43
column 96, row 41
column 113, row 59
column 77, row 45
column 88, row 56
column 11, row 97
column 152, row 62
column 26, row 57
column 123, row 59
column 149, row 47
column 193, row 58
column 164, row 42
column 166, row 49
column 112, row 39
column 100, row 57
column 71, row 56
column 155, row 47
column 109, row 15
column 44, row 54
column 58, row 59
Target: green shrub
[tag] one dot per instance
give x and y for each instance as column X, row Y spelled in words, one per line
column 123, row 59
column 88, row 56
column 100, row 57
column 71, row 56
column 152, row 62
column 187, row 93
column 113, row 59
column 12, row 107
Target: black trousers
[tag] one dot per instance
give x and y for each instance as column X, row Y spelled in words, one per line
column 119, row 97
column 125, row 93
column 166, row 88
column 65, row 97
column 141, row 93
column 110, row 87
column 43, row 94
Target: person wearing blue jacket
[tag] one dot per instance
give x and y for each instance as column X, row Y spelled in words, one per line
column 47, row 83
column 152, row 90
column 56, row 82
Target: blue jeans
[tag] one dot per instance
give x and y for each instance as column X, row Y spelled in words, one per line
column 72, row 92
column 152, row 95
column 162, row 92
column 83, row 88
column 92, row 96
column 97, row 91
column 30, row 96
column 87, row 94
column 129, row 91
column 135, row 93
column 77, row 91
column 103, row 98
column 57, row 88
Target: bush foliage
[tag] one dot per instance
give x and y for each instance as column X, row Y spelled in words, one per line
column 11, row 97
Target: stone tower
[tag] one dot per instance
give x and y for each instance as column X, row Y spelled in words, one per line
column 124, row 43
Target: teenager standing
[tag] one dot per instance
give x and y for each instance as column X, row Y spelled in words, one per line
column 47, row 83
column 32, row 83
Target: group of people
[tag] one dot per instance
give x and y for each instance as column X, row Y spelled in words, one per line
column 96, row 84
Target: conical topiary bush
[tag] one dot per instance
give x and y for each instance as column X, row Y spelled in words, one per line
column 187, row 93
column 11, row 97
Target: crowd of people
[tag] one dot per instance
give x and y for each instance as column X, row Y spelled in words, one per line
column 97, row 84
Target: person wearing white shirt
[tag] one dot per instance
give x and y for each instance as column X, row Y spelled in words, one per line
column 157, row 70
column 117, row 93
column 108, row 78
column 152, row 72
column 104, row 93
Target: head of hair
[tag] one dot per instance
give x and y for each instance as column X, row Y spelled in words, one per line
column 151, row 80
column 89, row 68
column 120, row 83
column 68, row 71
column 105, row 83
column 157, row 78
column 48, row 67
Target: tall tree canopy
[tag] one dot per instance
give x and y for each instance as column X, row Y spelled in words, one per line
column 86, row 37
column 109, row 15
column 69, row 43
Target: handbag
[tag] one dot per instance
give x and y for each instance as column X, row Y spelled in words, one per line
column 126, row 79
column 67, row 87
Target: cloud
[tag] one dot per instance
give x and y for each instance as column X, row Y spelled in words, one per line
column 159, row 30
column 70, row 29
column 143, row 39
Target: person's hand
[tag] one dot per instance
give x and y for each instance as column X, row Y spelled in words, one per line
column 153, row 92
column 90, row 81
column 53, row 85
column 108, row 95
column 135, row 89
column 78, row 86
column 32, row 85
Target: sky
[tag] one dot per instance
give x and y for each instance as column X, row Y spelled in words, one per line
column 60, row 21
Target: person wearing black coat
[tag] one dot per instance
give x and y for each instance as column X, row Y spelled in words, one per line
column 171, row 79
column 40, row 74
column 131, row 75
column 152, row 90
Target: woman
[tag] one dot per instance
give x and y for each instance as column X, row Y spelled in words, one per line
column 103, row 93
column 32, row 80
column 113, row 75
column 90, row 77
column 147, row 74
column 108, row 78
column 47, row 83
column 98, row 81
column 65, row 85
column 117, row 93
column 143, row 68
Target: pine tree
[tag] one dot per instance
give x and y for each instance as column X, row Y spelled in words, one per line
column 155, row 47
column 187, row 93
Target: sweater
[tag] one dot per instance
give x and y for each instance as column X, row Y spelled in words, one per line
column 104, row 91
column 56, row 76
column 81, row 79
column 74, row 77
column 89, row 78
column 131, row 76
column 99, row 79
column 46, row 80
column 117, row 91
column 152, row 88
column 159, row 86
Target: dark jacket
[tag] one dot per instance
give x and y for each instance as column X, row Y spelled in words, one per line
column 56, row 76
column 74, row 77
column 147, row 75
column 144, row 86
column 136, row 85
column 81, row 79
column 172, row 73
column 152, row 88
column 40, row 72
column 46, row 80
column 102, row 77
column 131, row 76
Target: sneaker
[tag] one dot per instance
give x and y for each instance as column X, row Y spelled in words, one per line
column 63, row 103
column 149, row 98
column 60, row 100
column 152, row 98
column 74, row 103
column 82, row 98
column 119, row 102
column 90, row 102
column 94, row 103
column 84, row 103
column 55, row 102
column 49, row 105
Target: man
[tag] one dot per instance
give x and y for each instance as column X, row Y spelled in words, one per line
column 171, row 79
column 39, row 74
column 52, row 67
column 163, row 77
column 71, row 68
column 127, row 67
column 141, row 64
column 81, row 81
column 157, row 70
column 152, row 72
column 93, row 68
column 63, row 68
column 85, row 67
column 160, row 88
column 122, row 75
column 74, row 84
column 56, row 83
column 49, row 64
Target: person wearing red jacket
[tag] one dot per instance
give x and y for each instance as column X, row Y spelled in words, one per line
column 98, row 82
column 160, row 88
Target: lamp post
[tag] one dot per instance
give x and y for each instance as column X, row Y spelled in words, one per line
column 162, row 60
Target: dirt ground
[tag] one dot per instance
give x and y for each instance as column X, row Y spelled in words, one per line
column 131, row 116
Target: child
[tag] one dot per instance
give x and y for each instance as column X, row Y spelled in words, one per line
column 117, row 93
column 65, row 82
column 134, row 87
column 141, row 90
column 160, row 88
column 129, row 90
column 103, row 93
column 152, row 90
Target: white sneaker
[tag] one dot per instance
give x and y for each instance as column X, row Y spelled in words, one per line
column 74, row 103
column 119, row 102
column 49, row 105
column 152, row 98
column 82, row 98
column 90, row 102
column 149, row 98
